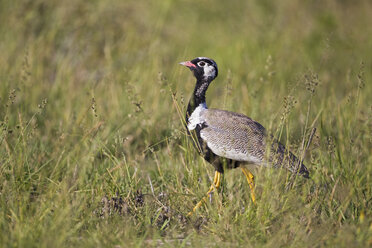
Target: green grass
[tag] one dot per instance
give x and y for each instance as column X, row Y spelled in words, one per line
column 93, row 152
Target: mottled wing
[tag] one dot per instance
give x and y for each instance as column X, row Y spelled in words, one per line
column 234, row 136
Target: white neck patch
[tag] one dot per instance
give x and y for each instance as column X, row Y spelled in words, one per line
column 196, row 117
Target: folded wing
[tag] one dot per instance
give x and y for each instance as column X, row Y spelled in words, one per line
column 234, row 136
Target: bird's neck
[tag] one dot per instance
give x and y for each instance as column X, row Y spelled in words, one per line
column 198, row 97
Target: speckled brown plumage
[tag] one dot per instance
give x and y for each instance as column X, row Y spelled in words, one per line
column 227, row 135
column 227, row 139
column 236, row 134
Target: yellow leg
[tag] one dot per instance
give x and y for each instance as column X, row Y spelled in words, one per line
column 215, row 185
column 250, row 179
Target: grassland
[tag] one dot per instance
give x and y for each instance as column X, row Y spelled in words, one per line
column 93, row 152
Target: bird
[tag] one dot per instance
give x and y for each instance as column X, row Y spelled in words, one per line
column 230, row 140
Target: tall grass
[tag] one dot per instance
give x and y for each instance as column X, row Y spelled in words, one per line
column 93, row 151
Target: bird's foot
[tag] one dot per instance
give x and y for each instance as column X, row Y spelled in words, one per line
column 215, row 185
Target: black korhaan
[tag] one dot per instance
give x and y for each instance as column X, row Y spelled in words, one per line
column 227, row 139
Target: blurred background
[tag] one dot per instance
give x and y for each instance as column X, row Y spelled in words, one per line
column 69, row 52
column 92, row 100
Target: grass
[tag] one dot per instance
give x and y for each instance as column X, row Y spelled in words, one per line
column 93, row 152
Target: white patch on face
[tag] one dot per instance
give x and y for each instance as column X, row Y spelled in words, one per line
column 196, row 117
column 209, row 71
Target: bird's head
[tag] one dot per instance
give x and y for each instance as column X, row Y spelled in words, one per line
column 203, row 68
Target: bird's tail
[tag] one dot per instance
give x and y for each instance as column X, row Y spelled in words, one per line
column 281, row 157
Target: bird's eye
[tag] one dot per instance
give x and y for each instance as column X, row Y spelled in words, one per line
column 201, row 63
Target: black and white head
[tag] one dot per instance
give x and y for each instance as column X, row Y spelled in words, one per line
column 203, row 68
